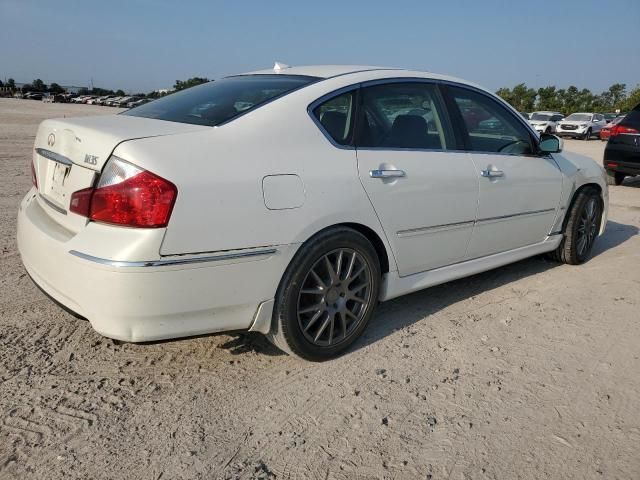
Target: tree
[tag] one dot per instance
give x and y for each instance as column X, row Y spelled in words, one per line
column 120, row 93
column 26, row 87
column 192, row 82
column 11, row 83
column 521, row 97
column 631, row 101
column 39, row 85
column 55, row 88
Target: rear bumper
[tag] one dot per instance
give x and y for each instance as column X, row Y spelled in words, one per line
column 622, row 167
column 150, row 300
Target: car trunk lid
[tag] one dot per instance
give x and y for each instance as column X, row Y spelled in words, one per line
column 70, row 153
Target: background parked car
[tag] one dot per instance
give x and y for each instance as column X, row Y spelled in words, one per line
column 137, row 103
column 606, row 130
column 581, row 125
column 545, row 121
column 54, row 98
column 526, row 115
column 622, row 153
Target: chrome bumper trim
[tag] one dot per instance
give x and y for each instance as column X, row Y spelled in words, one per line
column 173, row 261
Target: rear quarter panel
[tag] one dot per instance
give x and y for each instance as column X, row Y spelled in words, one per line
column 219, row 174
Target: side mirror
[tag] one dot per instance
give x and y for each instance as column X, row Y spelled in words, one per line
column 549, row 144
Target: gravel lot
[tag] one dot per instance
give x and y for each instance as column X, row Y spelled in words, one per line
column 528, row 371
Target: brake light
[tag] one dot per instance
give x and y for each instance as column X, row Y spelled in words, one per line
column 127, row 195
column 34, row 178
column 620, row 129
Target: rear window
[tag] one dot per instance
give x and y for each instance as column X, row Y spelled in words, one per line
column 217, row 102
column 632, row 119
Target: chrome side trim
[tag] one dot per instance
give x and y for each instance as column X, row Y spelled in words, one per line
column 52, row 205
column 173, row 261
column 436, row 228
column 523, row 214
column 452, row 226
column 56, row 157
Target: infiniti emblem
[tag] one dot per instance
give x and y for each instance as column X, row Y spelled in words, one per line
column 51, row 139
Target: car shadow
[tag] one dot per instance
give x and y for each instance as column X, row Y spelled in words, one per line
column 408, row 309
column 614, row 234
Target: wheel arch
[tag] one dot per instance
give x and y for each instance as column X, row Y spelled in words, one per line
column 585, row 186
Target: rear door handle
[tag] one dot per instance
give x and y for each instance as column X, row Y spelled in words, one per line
column 387, row 173
column 492, row 173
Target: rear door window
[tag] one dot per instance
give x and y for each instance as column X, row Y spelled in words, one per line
column 632, row 119
column 403, row 115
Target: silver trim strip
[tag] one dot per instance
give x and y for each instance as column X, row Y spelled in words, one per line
column 56, row 157
column 173, row 261
column 523, row 214
column 452, row 226
column 436, row 228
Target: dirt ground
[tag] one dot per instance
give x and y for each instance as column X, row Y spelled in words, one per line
column 528, row 371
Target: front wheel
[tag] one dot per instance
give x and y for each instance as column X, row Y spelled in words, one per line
column 587, row 136
column 582, row 227
column 327, row 295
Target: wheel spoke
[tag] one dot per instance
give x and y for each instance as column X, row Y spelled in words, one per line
column 314, row 319
column 313, row 291
column 339, row 264
column 352, row 262
column 318, row 279
column 333, row 277
column 323, row 327
column 313, row 308
column 357, row 274
column 343, row 323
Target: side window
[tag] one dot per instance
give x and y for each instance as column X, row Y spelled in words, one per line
column 336, row 116
column 402, row 115
column 556, row 118
column 491, row 127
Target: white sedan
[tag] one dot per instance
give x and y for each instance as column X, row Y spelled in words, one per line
column 291, row 201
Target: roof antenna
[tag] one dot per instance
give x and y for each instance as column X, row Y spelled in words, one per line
column 279, row 66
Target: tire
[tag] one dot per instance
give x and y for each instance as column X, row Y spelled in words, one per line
column 321, row 329
column 615, row 178
column 587, row 136
column 548, row 130
column 583, row 222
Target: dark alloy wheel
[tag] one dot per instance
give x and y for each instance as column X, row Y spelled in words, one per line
column 582, row 227
column 327, row 295
column 587, row 135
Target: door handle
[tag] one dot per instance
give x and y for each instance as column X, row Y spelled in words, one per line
column 387, row 173
column 492, row 173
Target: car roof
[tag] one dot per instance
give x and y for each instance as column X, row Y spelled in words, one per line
column 331, row 71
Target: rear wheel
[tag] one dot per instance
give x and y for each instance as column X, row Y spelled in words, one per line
column 614, row 178
column 327, row 295
column 582, row 227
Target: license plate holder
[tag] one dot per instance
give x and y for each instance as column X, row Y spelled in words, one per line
column 56, row 185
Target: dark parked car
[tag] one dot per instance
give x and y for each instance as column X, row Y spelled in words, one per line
column 622, row 153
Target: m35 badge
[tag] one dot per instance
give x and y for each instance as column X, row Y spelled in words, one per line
column 90, row 159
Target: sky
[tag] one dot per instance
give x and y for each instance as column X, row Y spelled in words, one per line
column 143, row 45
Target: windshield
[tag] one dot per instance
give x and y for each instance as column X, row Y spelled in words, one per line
column 216, row 102
column 541, row 116
column 579, row 117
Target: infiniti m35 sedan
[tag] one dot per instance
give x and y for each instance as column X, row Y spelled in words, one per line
column 291, row 201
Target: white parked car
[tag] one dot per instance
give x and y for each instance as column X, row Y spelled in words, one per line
column 581, row 125
column 545, row 122
column 291, row 201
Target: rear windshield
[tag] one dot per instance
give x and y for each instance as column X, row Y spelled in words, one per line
column 216, row 102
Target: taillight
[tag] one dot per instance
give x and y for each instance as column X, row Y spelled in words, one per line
column 34, row 178
column 620, row 129
column 127, row 195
